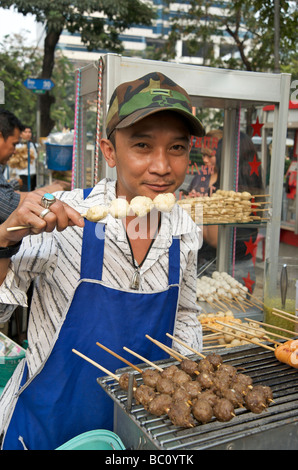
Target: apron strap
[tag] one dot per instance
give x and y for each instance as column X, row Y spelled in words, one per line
column 93, row 243
column 174, row 261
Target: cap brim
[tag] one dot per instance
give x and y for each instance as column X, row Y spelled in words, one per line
column 195, row 126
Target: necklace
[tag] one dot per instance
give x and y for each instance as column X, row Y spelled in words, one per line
column 136, row 277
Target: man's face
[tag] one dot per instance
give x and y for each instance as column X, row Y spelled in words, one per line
column 151, row 156
column 7, row 146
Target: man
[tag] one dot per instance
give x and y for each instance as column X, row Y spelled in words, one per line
column 84, row 271
column 10, row 130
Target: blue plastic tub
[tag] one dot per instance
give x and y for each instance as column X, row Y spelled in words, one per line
column 99, row 439
column 59, row 157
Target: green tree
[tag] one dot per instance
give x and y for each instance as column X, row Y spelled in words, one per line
column 100, row 31
column 250, row 25
column 18, row 62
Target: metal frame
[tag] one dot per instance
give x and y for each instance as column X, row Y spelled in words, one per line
column 218, row 88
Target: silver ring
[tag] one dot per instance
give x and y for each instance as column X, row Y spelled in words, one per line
column 44, row 213
column 47, row 200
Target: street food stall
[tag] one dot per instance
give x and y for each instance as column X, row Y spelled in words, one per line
column 235, row 307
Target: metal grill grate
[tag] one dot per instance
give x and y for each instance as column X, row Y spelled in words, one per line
column 141, row 428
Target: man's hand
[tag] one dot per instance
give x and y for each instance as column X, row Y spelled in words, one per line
column 28, row 213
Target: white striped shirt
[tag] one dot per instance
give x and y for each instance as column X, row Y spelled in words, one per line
column 53, row 261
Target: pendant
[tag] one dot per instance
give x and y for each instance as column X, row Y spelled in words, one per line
column 135, row 281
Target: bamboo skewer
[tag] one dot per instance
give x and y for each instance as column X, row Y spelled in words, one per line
column 168, row 350
column 103, row 369
column 186, row 346
column 274, row 327
column 143, row 359
column 119, row 357
column 18, row 227
column 245, row 338
column 258, row 330
column 274, row 312
column 289, row 316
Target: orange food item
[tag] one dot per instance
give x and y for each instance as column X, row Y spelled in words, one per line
column 288, row 353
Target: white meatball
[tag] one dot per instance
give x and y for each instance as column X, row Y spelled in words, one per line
column 97, row 213
column 119, row 208
column 164, row 202
column 141, row 205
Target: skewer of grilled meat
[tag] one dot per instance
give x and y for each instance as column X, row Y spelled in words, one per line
column 144, row 395
column 160, row 404
column 223, row 410
column 180, row 414
column 255, row 400
column 202, row 411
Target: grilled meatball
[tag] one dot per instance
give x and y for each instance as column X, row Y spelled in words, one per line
column 168, row 372
column 144, row 395
column 190, row 367
column 202, row 411
column 205, row 366
column 230, row 370
column 223, row 377
column 255, row 401
column 209, row 396
column 193, row 388
column 215, row 360
column 181, row 394
column 244, row 379
column 165, row 386
column 150, row 377
column 180, row 414
column 180, row 377
column 240, row 387
column 267, row 392
column 220, row 385
column 235, row 397
column 206, row 380
column 223, row 410
column 160, row 404
column 124, row 379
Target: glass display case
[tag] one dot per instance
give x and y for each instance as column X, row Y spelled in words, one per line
column 224, row 100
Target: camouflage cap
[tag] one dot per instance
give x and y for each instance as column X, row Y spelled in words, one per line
column 154, row 92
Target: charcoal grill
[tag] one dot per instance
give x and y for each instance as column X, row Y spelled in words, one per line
column 275, row 428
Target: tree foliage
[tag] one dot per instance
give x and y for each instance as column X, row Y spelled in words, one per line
column 99, row 23
column 250, row 25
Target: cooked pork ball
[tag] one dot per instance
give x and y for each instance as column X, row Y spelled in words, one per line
column 193, row 388
column 205, row 366
column 144, row 395
column 230, row 370
column 124, row 380
column 215, row 360
column 97, row 213
column 180, row 414
column 255, row 401
column 165, row 385
column 141, row 205
column 160, row 404
column 190, row 367
column 266, row 391
column 235, row 397
column 119, row 208
column 209, row 396
column 202, row 411
column 181, row 394
column 244, row 379
column 223, row 410
column 168, row 372
column 164, row 202
column 206, row 379
column 180, row 377
column 150, row 377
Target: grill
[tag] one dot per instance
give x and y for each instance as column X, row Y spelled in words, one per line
column 275, row 428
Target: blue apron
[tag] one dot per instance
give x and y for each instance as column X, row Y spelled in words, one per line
column 63, row 398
